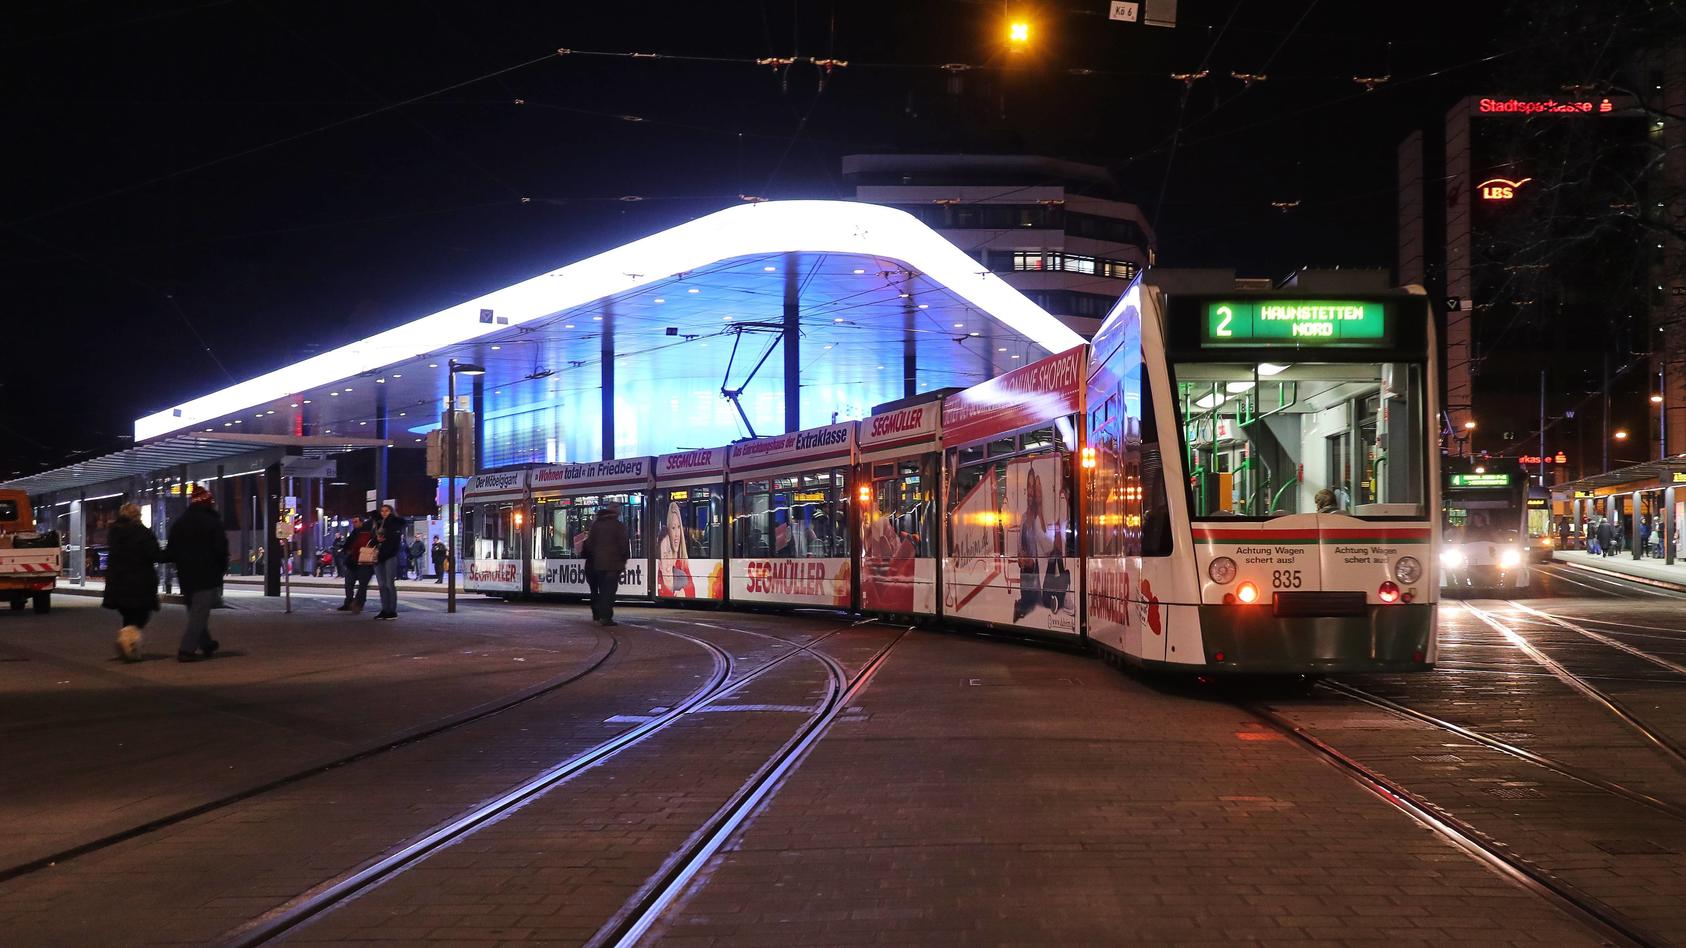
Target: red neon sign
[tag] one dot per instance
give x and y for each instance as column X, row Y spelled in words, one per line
column 1500, row 189
column 1543, row 107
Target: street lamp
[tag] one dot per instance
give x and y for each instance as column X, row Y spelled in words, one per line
column 451, row 513
column 1469, row 437
column 1620, row 435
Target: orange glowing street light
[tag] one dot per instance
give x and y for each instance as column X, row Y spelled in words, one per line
column 1018, row 33
column 1620, row 435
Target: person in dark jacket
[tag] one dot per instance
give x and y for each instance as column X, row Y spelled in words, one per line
column 418, row 556
column 131, row 581
column 439, row 555
column 1604, row 535
column 389, row 533
column 357, row 575
column 606, row 551
column 199, row 548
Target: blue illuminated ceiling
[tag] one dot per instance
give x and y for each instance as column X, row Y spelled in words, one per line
column 672, row 339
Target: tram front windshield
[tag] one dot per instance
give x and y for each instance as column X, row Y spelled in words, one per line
column 1266, row 439
column 1482, row 519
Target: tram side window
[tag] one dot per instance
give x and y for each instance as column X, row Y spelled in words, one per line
column 791, row 517
column 566, row 522
column 1106, row 481
column 486, row 531
column 902, row 506
column 1149, row 465
column 694, row 514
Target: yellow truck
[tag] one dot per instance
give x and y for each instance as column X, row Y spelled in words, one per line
column 29, row 561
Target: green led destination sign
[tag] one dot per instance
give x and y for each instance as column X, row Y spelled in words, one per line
column 1279, row 322
column 1481, row 480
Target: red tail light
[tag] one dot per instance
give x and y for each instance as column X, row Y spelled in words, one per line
column 1388, row 591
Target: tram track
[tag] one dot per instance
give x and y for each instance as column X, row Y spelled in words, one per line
column 725, row 680
column 1660, row 742
column 1606, row 922
column 390, row 745
column 1588, row 778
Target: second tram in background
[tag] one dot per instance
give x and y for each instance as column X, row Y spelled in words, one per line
column 1224, row 480
column 1486, row 534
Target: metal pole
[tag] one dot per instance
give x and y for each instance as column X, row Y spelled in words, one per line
column 1542, row 428
column 1662, row 411
column 1606, row 466
column 451, row 489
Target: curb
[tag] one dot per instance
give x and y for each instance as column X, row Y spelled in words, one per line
column 1617, row 574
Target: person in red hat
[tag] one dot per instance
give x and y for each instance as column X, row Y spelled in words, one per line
column 199, row 548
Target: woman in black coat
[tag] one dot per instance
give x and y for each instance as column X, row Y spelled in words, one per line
column 131, row 583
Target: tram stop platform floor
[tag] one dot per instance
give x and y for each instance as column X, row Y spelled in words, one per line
column 1647, row 570
column 976, row 791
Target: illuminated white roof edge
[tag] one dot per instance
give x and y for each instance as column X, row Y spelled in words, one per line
column 844, row 227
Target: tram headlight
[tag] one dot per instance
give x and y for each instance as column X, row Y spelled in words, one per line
column 1407, row 569
column 1453, row 558
column 1222, row 571
column 1510, row 558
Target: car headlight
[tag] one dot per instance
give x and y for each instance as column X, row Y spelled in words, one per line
column 1510, row 557
column 1222, row 571
column 1452, row 559
column 1408, row 570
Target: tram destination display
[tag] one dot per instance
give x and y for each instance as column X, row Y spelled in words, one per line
column 1277, row 322
column 1484, row 479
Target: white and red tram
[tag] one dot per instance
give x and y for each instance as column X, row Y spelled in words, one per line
column 1235, row 481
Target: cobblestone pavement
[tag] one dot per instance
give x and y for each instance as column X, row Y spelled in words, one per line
column 977, row 792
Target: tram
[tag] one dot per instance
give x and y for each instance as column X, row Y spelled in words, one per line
column 1232, row 481
column 1485, row 530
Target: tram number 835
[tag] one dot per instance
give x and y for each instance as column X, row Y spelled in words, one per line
column 1285, row 579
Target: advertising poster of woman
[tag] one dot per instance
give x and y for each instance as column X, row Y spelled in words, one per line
column 674, row 568
column 1039, row 515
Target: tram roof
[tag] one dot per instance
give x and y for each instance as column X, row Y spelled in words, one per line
column 671, row 306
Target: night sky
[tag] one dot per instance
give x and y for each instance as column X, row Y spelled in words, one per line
column 202, row 191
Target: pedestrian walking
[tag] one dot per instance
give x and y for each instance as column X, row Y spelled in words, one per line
column 418, row 556
column 359, row 565
column 607, row 549
column 439, row 556
column 1563, row 532
column 389, row 534
column 131, row 581
column 199, row 548
column 1605, row 536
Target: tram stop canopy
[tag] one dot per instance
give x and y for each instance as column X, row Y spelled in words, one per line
column 754, row 320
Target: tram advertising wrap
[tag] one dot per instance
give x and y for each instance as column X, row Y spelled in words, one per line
column 790, row 518
column 492, row 516
column 1011, row 557
column 897, row 492
column 566, row 499
column 690, row 504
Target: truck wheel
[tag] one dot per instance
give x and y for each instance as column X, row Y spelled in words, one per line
column 17, row 603
column 43, row 602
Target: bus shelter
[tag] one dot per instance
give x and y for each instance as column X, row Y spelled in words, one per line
column 1631, row 496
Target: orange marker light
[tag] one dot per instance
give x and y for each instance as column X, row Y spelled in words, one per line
column 1247, row 593
column 864, row 493
column 518, row 519
column 1088, row 459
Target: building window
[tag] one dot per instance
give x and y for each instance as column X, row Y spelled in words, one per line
column 1034, row 260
